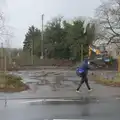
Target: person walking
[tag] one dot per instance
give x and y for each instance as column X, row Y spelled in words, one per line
column 82, row 71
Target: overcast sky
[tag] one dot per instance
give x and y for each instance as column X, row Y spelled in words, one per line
column 20, row 14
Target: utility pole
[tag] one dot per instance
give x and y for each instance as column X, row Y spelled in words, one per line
column 32, row 52
column 4, row 57
column 1, row 58
column 81, row 52
column 9, row 51
column 5, row 62
column 42, row 38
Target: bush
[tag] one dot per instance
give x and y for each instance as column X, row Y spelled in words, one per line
column 115, row 82
column 11, row 82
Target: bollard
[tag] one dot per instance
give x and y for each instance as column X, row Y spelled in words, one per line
column 5, row 102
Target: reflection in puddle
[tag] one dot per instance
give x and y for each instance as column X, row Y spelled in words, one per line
column 86, row 107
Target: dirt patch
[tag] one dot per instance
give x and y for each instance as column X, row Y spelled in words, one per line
column 11, row 83
column 115, row 82
column 11, row 90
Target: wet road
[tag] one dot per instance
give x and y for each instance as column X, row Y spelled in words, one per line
column 101, row 104
column 37, row 110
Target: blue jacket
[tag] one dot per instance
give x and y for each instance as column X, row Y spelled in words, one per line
column 84, row 66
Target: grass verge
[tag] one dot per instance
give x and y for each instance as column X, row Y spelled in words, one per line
column 114, row 82
column 11, row 83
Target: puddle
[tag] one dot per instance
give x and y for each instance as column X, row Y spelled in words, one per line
column 55, row 80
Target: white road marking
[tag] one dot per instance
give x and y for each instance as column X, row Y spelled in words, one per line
column 31, row 101
column 68, row 119
column 118, row 98
column 48, row 100
column 98, row 100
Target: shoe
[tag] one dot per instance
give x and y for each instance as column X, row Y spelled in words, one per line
column 77, row 91
column 90, row 90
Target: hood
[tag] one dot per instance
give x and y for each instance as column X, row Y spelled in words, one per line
column 86, row 60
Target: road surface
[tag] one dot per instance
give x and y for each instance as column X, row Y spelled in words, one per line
column 36, row 110
column 42, row 102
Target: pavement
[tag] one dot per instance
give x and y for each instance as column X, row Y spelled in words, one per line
column 52, row 96
column 84, row 111
column 59, row 84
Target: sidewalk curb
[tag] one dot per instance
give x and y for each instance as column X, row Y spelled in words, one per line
column 57, row 99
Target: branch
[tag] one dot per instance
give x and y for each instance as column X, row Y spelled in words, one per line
column 111, row 25
column 111, row 39
column 118, row 2
column 117, row 45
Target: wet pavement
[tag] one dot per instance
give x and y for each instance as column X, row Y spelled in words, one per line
column 52, row 96
column 37, row 110
column 110, row 75
column 59, row 84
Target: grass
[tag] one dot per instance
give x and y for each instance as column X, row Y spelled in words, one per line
column 11, row 83
column 114, row 82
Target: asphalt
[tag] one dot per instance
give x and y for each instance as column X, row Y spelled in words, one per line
column 59, row 84
column 36, row 110
column 42, row 102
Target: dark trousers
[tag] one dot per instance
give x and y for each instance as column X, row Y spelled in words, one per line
column 84, row 79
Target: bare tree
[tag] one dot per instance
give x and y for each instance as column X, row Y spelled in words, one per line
column 108, row 14
column 5, row 31
column 2, row 28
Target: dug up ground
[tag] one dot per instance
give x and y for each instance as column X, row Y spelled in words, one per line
column 11, row 83
column 109, row 78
